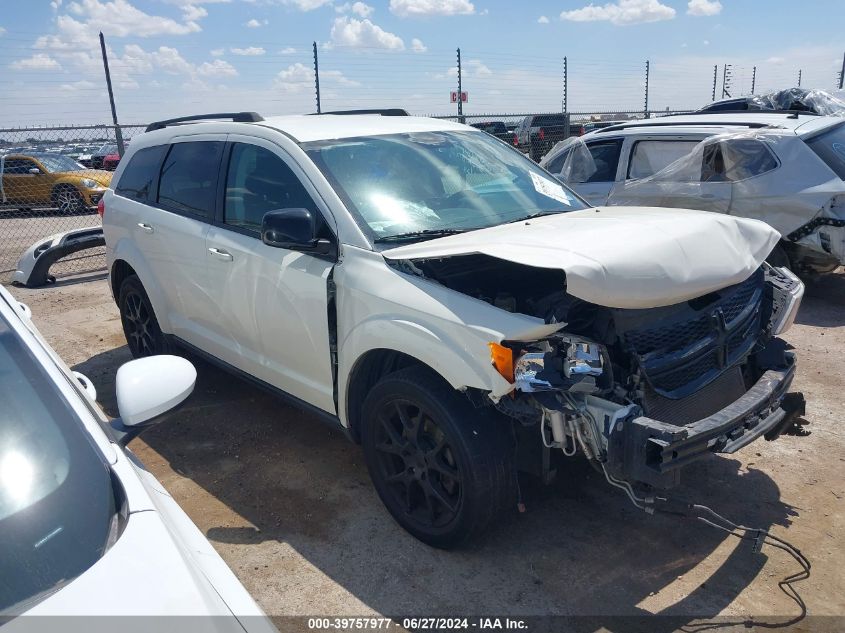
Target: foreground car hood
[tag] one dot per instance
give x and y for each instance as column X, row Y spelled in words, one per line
column 621, row 257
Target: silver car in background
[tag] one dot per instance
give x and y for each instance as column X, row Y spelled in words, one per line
column 787, row 169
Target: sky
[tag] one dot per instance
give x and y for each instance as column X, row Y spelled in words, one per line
column 175, row 57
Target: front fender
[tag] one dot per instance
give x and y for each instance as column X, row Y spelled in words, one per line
column 462, row 363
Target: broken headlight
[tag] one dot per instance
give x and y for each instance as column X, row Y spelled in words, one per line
column 561, row 363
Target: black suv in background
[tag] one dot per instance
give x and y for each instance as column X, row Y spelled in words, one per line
column 538, row 133
column 494, row 128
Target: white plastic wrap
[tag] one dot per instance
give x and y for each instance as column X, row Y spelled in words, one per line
column 577, row 165
column 818, row 101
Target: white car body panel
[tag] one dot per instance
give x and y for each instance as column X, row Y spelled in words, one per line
column 161, row 564
column 653, row 261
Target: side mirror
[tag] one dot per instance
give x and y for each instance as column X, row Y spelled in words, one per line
column 147, row 389
column 293, row 229
column 34, row 170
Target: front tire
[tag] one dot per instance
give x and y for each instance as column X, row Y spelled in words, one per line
column 140, row 326
column 442, row 468
column 68, row 200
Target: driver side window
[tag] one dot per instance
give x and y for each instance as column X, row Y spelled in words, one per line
column 259, row 181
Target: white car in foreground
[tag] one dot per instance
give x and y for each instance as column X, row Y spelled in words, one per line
column 448, row 303
column 85, row 530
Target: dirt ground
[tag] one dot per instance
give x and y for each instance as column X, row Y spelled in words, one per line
column 288, row 503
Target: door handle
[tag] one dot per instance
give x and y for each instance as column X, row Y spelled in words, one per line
column 145, row 227
column 220, row 254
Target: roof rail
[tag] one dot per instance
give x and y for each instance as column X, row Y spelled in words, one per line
column 760, row 111
column 237, row 117
column 381, row 111
column 623, row 126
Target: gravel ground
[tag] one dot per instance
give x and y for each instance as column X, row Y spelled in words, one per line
column 288, row 504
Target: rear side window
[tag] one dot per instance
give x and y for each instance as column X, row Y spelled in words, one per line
column 830, row 147
column 649, row 157
column 736, row 159
column 138, row 179
column 188, row 182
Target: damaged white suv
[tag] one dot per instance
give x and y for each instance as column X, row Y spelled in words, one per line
column 449, row 304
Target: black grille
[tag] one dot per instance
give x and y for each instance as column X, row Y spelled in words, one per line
column 727, row 388
column 683, row 348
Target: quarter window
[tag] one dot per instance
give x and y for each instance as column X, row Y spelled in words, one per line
column 188, row 182
column 259, row 181
column 139, row 177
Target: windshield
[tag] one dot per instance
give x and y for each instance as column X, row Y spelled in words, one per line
column 430, row 182
column 59, row 163
column 56, row 498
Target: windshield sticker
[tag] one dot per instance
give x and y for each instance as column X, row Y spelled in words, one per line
column 550, row 189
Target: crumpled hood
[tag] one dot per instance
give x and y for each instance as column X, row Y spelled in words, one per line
column 621, row 257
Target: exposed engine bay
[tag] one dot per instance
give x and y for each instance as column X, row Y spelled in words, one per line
column 627, row 387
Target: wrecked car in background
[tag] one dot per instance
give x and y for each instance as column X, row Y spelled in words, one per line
column 787, row 170
column 790, row 99
column 449, row 304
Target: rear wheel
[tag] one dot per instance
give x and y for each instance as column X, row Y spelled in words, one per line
column 140, row 326
column 442, row 468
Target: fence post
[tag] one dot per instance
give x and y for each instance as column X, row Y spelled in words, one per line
column 118, row 134
column 715, row 75
column 645, row 109
column 565, row 86
column 460, row 87
column 317, row 77
column 842, row 72
column 799, row 77
column 753, row 79
column 725, row 81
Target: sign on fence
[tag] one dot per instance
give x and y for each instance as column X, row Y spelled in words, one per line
column 453, row 96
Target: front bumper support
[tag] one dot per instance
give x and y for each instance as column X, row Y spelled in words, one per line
column 653, row 452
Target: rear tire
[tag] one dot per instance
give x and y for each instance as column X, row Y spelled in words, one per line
column 442, row 468
column 140, row 326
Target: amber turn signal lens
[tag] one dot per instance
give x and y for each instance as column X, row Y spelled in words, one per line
column 502, row 358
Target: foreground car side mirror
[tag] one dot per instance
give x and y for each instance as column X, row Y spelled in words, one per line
column 293, row 229
column 34, row 171
column 147, row 390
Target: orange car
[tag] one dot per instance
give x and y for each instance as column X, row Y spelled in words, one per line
column 50, row 180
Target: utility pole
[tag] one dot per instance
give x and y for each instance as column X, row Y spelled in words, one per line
column 715, row 75
column 565, row 87
column 799, row 77
column 317, row 77
column 753, row 78
column 118, row 134
column 460, row 86
column 645, row 108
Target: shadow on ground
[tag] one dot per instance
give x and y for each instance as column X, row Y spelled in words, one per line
column 825, row 298
column 580, row 549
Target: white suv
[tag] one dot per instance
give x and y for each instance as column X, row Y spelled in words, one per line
column 449, row 304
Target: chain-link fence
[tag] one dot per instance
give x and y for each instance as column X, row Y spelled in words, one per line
column 52, row 180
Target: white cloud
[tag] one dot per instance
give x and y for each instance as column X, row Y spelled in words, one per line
column 254, row 24
column 417, row 46
column 542, row 20
column 192, row 12
column 706, row 42
column 358, row 8
column 170, row 61
column 128, row 84
column 295, row 78
column 78, row 85
column 421, row 8
column 704, row 7
column 217, row 68
column 470, row 68
column 306, row 5
column 2, row 30
column 217, row 52
column 55, row 4
column 250, row 51
column 39, row 61
column 775, row 60
column 288, row 50
column 622, row 12
column 116, row 18
column 363, row 34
